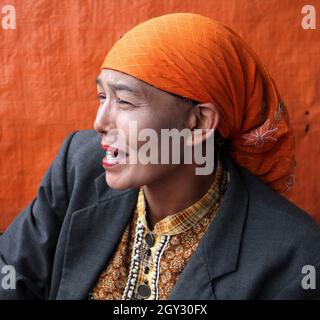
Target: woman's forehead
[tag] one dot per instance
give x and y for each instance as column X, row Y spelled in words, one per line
column 122, row 81
column 110, row 77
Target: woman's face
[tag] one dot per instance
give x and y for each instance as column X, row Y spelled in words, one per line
column 124, row 101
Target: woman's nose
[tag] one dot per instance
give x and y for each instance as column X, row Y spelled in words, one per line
column 103, row 118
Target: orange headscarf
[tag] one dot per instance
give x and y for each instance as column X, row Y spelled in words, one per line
column 198, row 58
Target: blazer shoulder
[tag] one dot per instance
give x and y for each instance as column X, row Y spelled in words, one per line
column 83, row 165
column 84, row 141
column 84, row 150
column 277, row 219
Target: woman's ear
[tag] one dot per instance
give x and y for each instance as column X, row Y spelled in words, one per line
column 203, row 120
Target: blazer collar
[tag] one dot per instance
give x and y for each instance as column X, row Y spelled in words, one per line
column 218, row 252
column 223, row 238
column 95, row 233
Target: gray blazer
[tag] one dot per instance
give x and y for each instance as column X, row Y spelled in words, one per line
column 254, row 249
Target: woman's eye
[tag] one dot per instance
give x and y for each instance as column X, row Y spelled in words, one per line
column 101, row 96
column 123, row 102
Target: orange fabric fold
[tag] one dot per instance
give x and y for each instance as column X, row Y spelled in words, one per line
column 198, row 58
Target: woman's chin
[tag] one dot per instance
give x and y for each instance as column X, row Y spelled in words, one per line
column 116, row 183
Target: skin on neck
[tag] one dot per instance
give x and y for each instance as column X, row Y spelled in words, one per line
column 174, row 193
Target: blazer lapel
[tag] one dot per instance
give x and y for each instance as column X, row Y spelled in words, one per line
column 218, row 252
column 194, row 282
column 94, row 234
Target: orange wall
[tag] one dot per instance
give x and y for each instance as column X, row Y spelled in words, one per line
column 48, row 67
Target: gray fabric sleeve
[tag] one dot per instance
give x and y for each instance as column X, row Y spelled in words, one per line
column 29, row 242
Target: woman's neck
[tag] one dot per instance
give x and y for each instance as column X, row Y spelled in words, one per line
column 174, row 193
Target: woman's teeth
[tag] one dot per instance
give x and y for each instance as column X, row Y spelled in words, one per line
column 111, row 155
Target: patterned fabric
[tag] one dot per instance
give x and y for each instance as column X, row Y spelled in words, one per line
column 175, row 238
column 198, row 58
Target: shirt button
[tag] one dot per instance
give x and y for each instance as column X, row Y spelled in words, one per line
column 146, row 270
column 149, row 239
column 144, row 291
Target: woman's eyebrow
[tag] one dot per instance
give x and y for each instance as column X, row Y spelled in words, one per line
column 117, row 86
column 121, row 87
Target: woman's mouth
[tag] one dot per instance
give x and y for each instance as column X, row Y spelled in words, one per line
column 113, row 156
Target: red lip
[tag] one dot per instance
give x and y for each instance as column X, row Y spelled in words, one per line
column 106, row 147
column 105, row 163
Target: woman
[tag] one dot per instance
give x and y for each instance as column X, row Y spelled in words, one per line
column 161, row 230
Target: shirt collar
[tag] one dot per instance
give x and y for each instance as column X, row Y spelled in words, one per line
column 187, row 218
